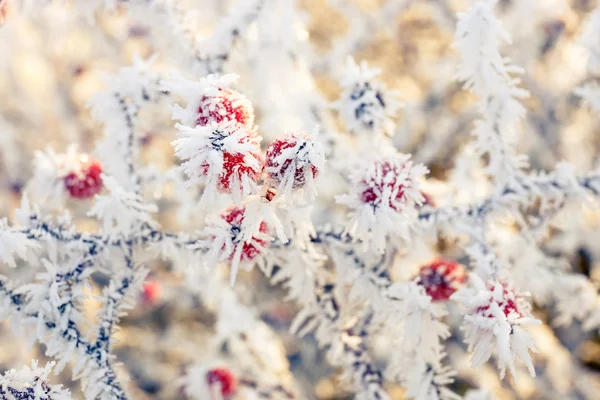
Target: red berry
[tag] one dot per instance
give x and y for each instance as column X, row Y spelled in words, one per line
column 86, row 182
column 441, row 279
column 302, row 157
column 235, row 166
column 224, row 378
column 150, row 291
column 235, row 216
column 384, row 178
column 510, row 303
column 227, row 105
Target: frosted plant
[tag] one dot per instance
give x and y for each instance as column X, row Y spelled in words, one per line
column 390, row 267
column 489, row 75
column 31, row 383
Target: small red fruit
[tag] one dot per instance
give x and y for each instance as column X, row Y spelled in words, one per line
column 86, row 182
column 510, row 302
column 235, row 217
column 441, row 279
column 385, row 178
column 236, row 167
column 224, row 378
column 227, row 105
column 300, row 158
column 151, row 291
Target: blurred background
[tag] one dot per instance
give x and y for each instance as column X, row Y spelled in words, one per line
column 290, row 59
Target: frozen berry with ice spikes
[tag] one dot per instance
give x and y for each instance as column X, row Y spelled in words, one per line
column 507, row 299
column 228, row 105
column 236, row 167
column 386, row 180
column 85, row 182
column 441, row 279
column 294, row 157
column 225, row 380
column 234, row 216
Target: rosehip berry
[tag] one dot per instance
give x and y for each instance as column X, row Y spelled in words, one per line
column 235, row 217
column 508, row 301
column 441, row 279
column 86, row 182
column 227, row 105
column 224, row 378
column 297, row 151
column 237, row 167
column 386, row 178
column 151, row 291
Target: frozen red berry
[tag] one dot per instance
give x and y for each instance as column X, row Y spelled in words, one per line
column 386, row 181
column 228, row 105
column 237, row 167
column 85, row 182
column 441, row 279
column 223, row 379
column 506, row 298
column 223, row 158
column 150, row 291
column 250, row 249
column 295, row 157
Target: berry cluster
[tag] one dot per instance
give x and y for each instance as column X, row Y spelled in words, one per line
column 221, row 148
column 225, row 114
column 441, row 279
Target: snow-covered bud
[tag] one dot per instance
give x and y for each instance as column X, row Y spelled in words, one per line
column 366, row 106
column 233, row 241
column 441, row 279
column 495, row 312
column 293, row 161
column 226, row 105
column 385, row 193
column 222, row 157
column 223, row 379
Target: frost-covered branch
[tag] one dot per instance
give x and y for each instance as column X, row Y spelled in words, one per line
column 489, row 75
